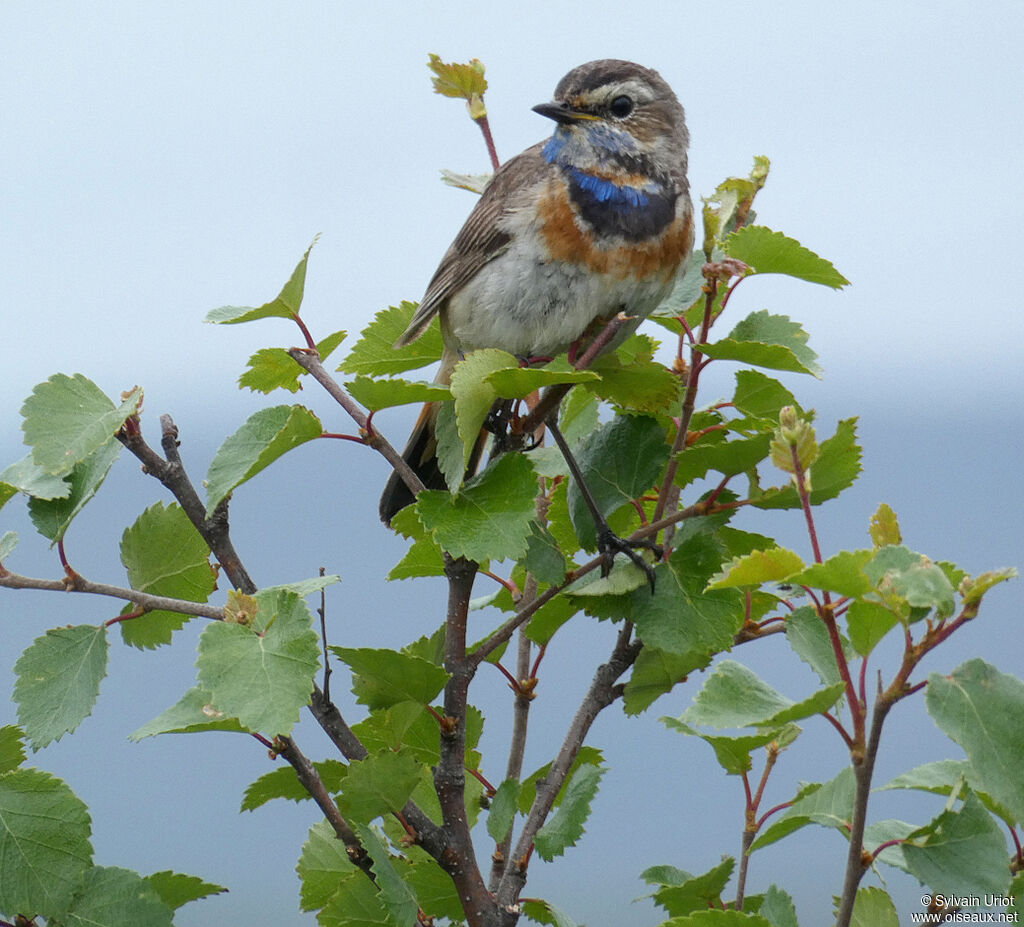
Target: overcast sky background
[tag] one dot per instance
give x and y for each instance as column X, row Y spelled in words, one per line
column 162, row 160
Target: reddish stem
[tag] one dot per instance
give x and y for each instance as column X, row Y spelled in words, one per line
column 479, row 776
column 266, row 743
column 764, row 817
column 885, row 846
column 310, row 343
column 507, row 583
column 512, row 681
column 838, row 725
column 485, row 128
column 536, row 663
column 341, row 437
column 128, row 616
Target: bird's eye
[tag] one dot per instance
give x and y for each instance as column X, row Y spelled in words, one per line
column 621, row 107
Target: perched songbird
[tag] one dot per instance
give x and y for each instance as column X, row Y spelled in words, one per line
column 593, row 221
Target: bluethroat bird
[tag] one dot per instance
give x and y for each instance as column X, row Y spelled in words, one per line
column 594, row 221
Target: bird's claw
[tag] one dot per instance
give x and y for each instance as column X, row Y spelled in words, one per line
column 609, row 544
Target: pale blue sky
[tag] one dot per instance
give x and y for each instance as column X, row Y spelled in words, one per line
column 161, row 160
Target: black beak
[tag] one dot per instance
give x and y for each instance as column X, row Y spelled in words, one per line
column 562, row 113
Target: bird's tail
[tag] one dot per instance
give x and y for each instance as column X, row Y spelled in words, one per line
column 421, row 453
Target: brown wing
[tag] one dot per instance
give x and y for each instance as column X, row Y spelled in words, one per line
column 480, row 239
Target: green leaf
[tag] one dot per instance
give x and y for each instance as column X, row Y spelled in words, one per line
column 378, row 785
column 543, row 558
column 490, row 517
column 655, row 673
column 166, row 556
column 697, row 892
column 777, row 908
column 52, row 517
column 395, row 895
column 842, row 574
column 305, row 587
column 732, row 753
column 454, row 79
column 519, row 382
column 566, row 827
column 943, row 777
column 728, row 458
column 355, row 903
column 375, row 353
column 265, row 436
column 285, row 306
column 718, row 918
column 973, row 588
column 620, row 461
column 829, row 805
column 913, row 577
column 263, row 673
column 734, row 697
column 980, row 708
column 383, row 394
column 960, row 852
column 504, row 804
column 284, row 783
column 872, row 907
column 837, row 466
column 193, row 713
column 760, row 397
column 756, row 568
column 383, row 678
column 886, row 831
column 44, row 843
column 68, row 419
column 176, row 889
column 766, row 340
column 322, row 864
column 587, row 756
column 544, row 912
column 810, row 640
column 868, row 623
column 769, row 252
column 275, row 368
column 885, row 527
column 435, row 891
column 406, row 726
column 12, row 748
column 28, row 477
column 59, row 681
column 474, row 395
column 642, row 384
column 112, row 897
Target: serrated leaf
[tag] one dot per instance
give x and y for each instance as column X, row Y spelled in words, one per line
column 112, row 897
column 655, row 673
column 285, row 305
column 193, row 713
column 504, row 804
column 269, row 369
column 305, row 587
column 67, row 419
column 867, row 623
column 383, row 394
column 872, row 907
column 473, row 183
column 980, row 708
column 842, row 574
column 766, row 340
column 885, row 527
column 164, row 555
column 620, row 461
column 943, row 777
column 971, row 588
column 642, row 384
column 961, row 852
column 543, row 558
column 377, row 785
column 759, row 396
column 727, row 457
column 732, row 753
column 27, row 476
column 810, row 640
column 756, row 568
column 383, row 678
column 474, row 395
column 263, row 673
column 12, row 748
column 435, row 891
column 778, row 909
column 887, row 831
column 913, row 577
column 698, row 893
column 59, row 679
column 44, row 843
column 587, row 756
column 518, row 382
column 735, row 697
column 265, row 436
column 490, row 517
column 176, row 889
column 769, row 252
column 355, row 903
column 829, row 805
column 375, row 353
column 395, row 895
column 566, row 827
column 454, row 79
column 323, row 863
column 284, row 783
column 8, row 541
column 718, row 918
column 52, row 517
column 837, row 466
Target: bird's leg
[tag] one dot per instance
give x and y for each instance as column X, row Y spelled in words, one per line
column 608, row 542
